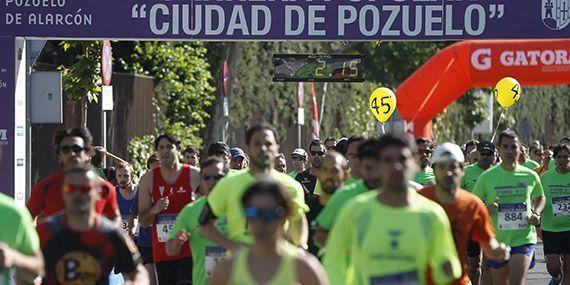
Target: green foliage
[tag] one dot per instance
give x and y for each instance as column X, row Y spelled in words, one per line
column 184, row 90
column 140, row 149
column 82, row 78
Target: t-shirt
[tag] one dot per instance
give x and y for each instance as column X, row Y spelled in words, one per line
column 293, row 174
column 17, row 232
column 205, row 254
column 328, row 215
column 372, row 243
column 47, row 197
column 425, row 176
column 225, row 201
column 514, row 190
column 529, row 163
column 308, row 181
column 556, row 214
column 469, row 221
column 84, row 257
column 472, row 173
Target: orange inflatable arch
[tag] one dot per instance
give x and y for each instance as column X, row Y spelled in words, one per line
column 462, row 66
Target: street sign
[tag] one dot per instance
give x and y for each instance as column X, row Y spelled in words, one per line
column 106, row 63
column 107, row 98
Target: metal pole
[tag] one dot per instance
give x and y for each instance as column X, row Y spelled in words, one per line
column 299, row 129
column 104, row 133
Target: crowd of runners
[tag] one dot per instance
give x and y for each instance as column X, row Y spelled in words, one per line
column 355, row 210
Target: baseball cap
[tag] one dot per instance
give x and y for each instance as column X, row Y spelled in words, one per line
column 447, row 152
column 300, row 152
column 237, row 152
column 218, row 148
column 485, row 145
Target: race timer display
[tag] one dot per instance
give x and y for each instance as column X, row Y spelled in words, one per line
column 317, row 68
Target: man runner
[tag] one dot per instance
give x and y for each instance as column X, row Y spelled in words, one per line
column 300, row 159
column 485, row 160
column 79, row 245
column 391, row 236
column 352, row 156
column 555, row 222
column 425, row 174
column 205, row 254
column 224, row 200
column 72, row 147
column 468, row 216
column 367, row 156
column 515, row 199
column 163, row 192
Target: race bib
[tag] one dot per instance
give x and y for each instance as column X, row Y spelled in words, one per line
column 214, row 255
column 164, row 225
column 125, row 225
column 561, row 206
column 512, row 216
column 406, row 278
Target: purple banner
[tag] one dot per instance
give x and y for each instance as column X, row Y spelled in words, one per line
column 7, row 104
column 287, row 20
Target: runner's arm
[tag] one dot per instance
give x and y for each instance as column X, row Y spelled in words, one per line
column 27, row 265
column 495, row 250
column 147, row 211
column 222, row 272
column 538, row 204
column 298, row 233
column 138, row 277
column 310, row 271
column 209, row 230
column 194, row 177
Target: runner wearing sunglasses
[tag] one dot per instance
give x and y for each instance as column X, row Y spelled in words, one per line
column 270, row 259
column 72, row 147
column 79, row 245
column 205, row 254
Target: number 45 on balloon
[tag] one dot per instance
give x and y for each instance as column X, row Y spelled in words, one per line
column 382, row 104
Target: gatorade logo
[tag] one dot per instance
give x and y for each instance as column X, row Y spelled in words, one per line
column 3, row 137
column 481, row 58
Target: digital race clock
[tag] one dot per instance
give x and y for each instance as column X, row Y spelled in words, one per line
column 317, row 67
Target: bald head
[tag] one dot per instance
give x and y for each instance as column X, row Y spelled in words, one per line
column 335, row 158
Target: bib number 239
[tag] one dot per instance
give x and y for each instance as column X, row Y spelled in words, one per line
column 512, row 216
column 561, row 206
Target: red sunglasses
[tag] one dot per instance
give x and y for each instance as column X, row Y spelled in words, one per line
column 74, row 188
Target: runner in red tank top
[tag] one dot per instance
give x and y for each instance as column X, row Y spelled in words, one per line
column 164, row 191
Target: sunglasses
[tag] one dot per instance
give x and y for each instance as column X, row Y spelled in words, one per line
column 267, row 214
column 216, row 176
column 84, row 189
column 299, row 158
column 71, row 148
column 487, row 153
column 319, row 153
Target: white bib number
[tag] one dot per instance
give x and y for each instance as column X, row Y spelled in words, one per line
column 214, row 255
column 164, row 225
column 512, row 216
column 561, row 206
column 406, row 278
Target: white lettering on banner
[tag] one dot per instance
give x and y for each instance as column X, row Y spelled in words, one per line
column 371, row 20
column 78, row 19
column 481, row 58
column 36, row 3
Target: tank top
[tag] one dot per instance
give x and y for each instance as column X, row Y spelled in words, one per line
column 179, row 194
column 125, row 207
column 286, row 274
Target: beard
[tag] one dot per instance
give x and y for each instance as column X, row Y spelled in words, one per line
column 125, row 184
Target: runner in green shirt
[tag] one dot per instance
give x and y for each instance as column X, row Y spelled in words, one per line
column 525, row 161
column 555, row 220
column 485, row 160
column 425, row 174
column 224, row 200
column 392, row 236
column 515, row 199
column 368, row 169
column 19, row 243
column 205, row 254
column 300, row 159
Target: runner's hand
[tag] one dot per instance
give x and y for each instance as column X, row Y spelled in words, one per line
column 181, row 237
column 492, row 208
column 161, row 205
column 6, row 256
column 502, row 252
column 534, row 219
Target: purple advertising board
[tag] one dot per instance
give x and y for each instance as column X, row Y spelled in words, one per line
column 318, row 20
column 7, row 104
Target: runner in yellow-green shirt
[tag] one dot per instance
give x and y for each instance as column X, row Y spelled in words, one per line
column 270, row 259
column 224, row 199
column 555, row 220
column 515, row 199
column 205, row 254
column 424, row 175
column 394, row 235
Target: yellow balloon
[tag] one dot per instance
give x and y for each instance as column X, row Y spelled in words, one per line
column 382, row 103
column 507, row 92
